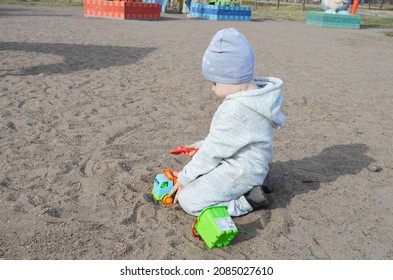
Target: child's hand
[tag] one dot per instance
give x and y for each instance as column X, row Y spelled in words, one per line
column 191, row 150
column 177, row 188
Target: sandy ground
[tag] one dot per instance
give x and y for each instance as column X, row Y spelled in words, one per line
column 90, row 108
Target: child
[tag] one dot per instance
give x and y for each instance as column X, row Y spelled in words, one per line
column 232, row 161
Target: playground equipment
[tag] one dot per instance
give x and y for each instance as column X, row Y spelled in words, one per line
column 336, row 6
column 122, row 9
column 340, row 6
column 215, row 226
column 221, row 10
column 224, row 2
column 354, row 6
column 336, row 14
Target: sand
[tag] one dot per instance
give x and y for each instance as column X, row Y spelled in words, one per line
column 90, row 107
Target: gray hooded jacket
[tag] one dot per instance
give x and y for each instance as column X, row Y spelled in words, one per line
column 238, row 148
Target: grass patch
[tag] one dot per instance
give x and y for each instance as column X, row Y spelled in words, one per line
column 376, row 20
column 285, row 12
column 370, row 18
column 54, row 3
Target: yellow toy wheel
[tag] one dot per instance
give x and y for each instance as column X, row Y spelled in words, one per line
column 167, row 199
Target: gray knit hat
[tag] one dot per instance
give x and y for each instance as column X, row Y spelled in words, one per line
column 229, row 59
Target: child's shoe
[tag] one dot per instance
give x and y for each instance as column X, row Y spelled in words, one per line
column 256, row 197
column 265, row 185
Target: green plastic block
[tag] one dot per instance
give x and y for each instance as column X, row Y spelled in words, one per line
column 226, row 3
column 215, row 226
column 333, row 20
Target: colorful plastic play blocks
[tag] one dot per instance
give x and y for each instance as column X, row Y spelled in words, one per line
column 333, row 20
column 221, row 12
column 122, row 9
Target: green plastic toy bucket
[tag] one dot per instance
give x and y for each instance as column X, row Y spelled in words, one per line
column 215, row 226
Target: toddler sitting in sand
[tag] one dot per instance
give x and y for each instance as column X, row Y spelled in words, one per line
column 232, row 162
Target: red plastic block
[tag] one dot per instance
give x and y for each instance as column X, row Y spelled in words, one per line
column 123, row 9
column 139, row 1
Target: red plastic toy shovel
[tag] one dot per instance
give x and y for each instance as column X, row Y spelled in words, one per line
column 182, row 149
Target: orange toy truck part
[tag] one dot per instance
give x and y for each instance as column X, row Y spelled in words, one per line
column 167, row 199
column 169, row 174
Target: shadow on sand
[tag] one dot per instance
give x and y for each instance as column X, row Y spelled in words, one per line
column 296, row 177
column 75, row 57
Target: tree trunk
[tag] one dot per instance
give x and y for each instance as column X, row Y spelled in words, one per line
column 381, row 4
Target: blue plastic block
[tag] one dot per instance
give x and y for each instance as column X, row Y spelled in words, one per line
column 333, row 20
column 221, row 12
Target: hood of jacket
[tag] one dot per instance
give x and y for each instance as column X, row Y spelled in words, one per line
column 266, row 100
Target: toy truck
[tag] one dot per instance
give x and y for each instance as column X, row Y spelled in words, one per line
column 163, row 184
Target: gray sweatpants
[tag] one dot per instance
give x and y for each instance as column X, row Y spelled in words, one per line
column 200, row 194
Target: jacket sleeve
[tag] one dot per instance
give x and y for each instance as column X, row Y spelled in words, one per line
column 225, row 138
column 199, row 144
